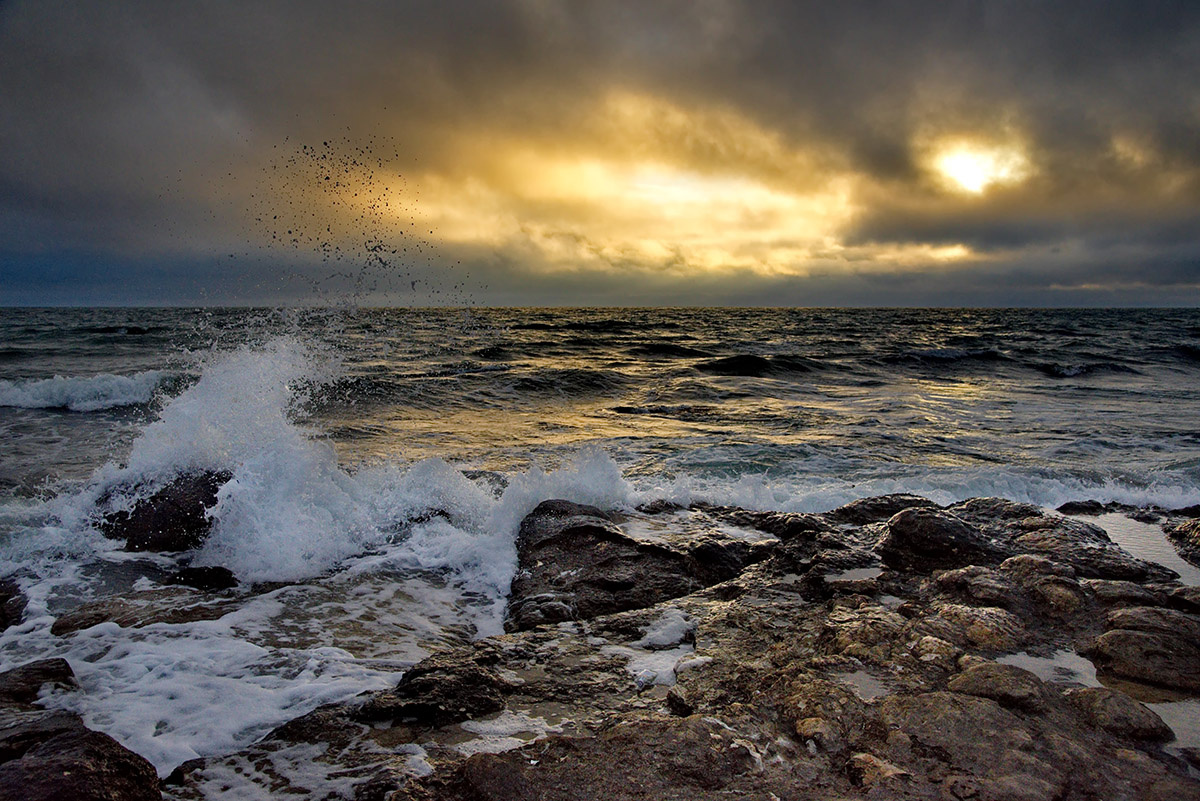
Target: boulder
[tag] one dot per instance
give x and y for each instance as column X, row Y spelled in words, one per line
column 1117, row 713
column 877, row 509
column 52, row 756
column 1151, row 645
column 574, row 563
column 1008, row 685
column 174, row 518
column 438, row 691
column 23, row 684
column 924, row 539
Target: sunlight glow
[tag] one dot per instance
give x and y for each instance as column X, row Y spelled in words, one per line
column 973, row 168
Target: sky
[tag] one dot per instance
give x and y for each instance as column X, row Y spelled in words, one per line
column 534, row 152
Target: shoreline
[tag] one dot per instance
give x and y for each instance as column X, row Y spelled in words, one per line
column 882, row 649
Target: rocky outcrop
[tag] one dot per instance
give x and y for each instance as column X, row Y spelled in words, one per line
column 173, row 518
column 846, row 660
column 51, row 756
column 574, row 563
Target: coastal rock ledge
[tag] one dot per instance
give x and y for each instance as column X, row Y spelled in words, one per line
column 889, row 649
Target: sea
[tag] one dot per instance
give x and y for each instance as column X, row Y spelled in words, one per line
column 382, row 460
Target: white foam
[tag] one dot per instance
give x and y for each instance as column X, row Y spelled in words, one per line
column 82, row 393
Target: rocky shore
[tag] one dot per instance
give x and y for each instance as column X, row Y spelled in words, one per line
column 887, row 649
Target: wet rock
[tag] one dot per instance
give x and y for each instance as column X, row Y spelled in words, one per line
column 1109, row 592
column 865, row 632
column 877, row 509
column 981, row 585
column 669, row 759
column 784, row 525
column 170, row 605
column 22, row 684
column 719, row 560
column 1117, row 713
column 1185, row 599
column 929, row 539
column 1088, row 508
column 868, row 770
column 988, row 627
column 574, row 563
column 210, row 578
column 993, row 511
column 437, row 691
column 1086, row 548
column 1008, row 685
column 175, row 518
column 52, row 756
column 1028, row 568
column 12, row 603
column 1186, row 537
column 1151, row 645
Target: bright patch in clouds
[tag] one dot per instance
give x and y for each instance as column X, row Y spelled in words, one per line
column 975, row 168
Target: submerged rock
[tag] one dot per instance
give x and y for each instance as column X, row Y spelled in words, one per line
column 175, row 518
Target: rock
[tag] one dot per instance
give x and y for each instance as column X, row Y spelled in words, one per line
column 784, row 525
column 985, row 626
column 168, row 605
column 1109, row 592
column 868, row 770
column 437, row 691
column 12, row 603
column 574, row 564
column 974, row 734
column 1151, row 645
column 52, row 756
column 864, row 632
column 1186, row 536
column 175, row 518
column 993, row 511
column 877, row 509
column 1008, row 685
column 1091, row 557
column 1119, row 714
column 1185, row 599
column 1027, row 568
column 981, row 585
column 210, row 579
column 929, row 539
column 1088, row 508
column 669, row 759
column 719, row 560
column 23, row 684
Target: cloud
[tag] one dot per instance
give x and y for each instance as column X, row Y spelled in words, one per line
column 680, row 147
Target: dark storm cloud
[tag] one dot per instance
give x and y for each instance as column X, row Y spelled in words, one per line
column 125, row 126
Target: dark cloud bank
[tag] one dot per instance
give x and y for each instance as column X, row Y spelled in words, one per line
column 133, row 133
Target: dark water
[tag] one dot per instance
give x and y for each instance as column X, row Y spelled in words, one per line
column 346, row 430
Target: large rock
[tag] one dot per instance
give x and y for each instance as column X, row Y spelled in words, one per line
column 52, row 756
column 437, row 691
column 23, row 684
column 1119, row 714
column 1008, row 685
column 1151, row 645
column 174, row 518
column 922, row 540
column 877, row 509
column 574, row 563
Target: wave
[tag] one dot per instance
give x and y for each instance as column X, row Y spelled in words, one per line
column 670, row 349
column 946, row 356
column 752, row 366
column 82, row 393
column 1055, row 370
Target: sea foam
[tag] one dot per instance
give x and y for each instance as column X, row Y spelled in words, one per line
column 82, row 393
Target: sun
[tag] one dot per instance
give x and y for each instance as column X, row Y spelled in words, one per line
column 973, row 168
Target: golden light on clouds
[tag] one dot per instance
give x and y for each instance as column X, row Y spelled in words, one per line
column 975, row 168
